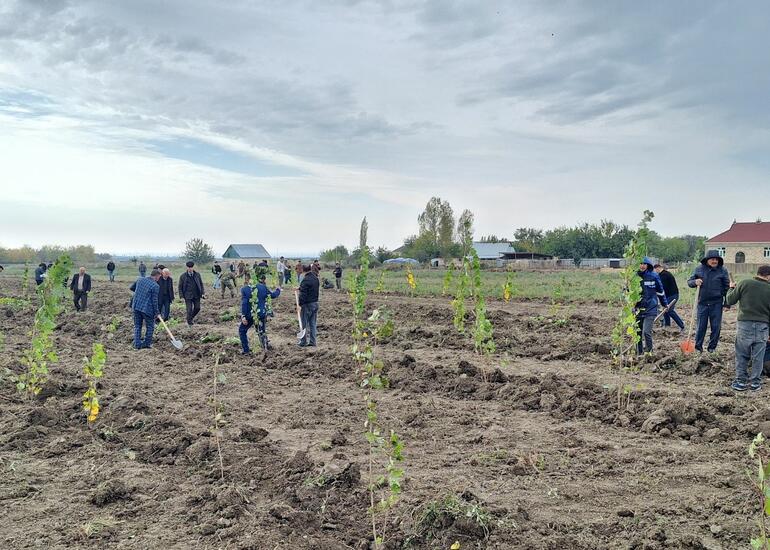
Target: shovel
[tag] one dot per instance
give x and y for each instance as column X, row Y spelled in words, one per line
column 688, row 346
column 666, row 310
column 301, row 333
column 174, row 342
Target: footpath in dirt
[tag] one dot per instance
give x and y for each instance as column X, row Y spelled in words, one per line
column 524, row 449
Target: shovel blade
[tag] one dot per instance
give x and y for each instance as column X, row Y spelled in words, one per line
column 688, row 346
column 301, row 334
column 177, row 344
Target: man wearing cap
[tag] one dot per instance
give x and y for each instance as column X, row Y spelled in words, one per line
column 647, row 307
column 145, row 306
column 714, row 281
column 753, row 299
column 191, row 290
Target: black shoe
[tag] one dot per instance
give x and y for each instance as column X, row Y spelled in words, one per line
column 302, row 345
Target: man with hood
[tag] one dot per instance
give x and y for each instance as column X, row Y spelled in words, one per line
column 714, row 281
column 647, row 307
column 40, row 274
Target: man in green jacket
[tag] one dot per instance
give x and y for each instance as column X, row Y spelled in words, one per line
column 753, row 299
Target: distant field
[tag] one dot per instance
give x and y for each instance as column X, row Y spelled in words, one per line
column 573, row 285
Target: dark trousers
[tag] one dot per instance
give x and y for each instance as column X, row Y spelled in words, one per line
column 165, row 309
column 261, row 332
column 193, row 306
column 644, row 330
column 309, row 317
column 111, row 275
column 149, row 321
column 338, row 281
column 81, row 300
column 709, row 314
column 671, row 314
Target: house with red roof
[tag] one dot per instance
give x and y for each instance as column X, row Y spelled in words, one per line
column 744, row 242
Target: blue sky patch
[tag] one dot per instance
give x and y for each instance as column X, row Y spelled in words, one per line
column 206, row 154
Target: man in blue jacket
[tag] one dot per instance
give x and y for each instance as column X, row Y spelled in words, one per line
column 145, row 306
column 259, row 295
column 714, row 281
column 647, row 307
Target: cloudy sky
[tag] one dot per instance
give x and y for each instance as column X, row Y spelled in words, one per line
column 134, row 125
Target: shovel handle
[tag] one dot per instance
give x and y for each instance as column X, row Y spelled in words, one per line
column 165, row 326
column 692, row 315
column 299, row 316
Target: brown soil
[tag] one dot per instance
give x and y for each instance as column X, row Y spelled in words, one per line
column 532, row 435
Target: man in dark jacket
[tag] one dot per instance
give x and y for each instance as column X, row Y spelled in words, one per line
column 714, row 281
column 145, row 306
column 80, row 287
column 165, row 293
column 308, row 303
column 191, row 290
column 753, row 327
column 40, row 274
column 142, row 269
column 647, row 307
column 111, row 271
column 672, row 293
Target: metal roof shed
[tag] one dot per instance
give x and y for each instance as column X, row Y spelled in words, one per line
column 246, row 252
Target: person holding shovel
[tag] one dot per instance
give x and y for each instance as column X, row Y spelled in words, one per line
column 672, row 295
column 145, row 307
column 647, row 307
column 752, row 328
column 308, row 303
column 714, row 281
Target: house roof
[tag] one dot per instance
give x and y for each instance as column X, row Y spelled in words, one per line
column 246, row 251
column 744, row 232
column 492, row 251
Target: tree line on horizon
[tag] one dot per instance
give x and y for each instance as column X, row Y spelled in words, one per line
column 440, row 235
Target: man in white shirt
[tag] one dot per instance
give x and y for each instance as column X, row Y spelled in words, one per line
column 81, row 286
column 281, row 268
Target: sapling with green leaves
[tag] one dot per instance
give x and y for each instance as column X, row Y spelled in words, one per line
column 483, row 341
column 760, row 480
column 25, row 282
column 625, row 334
column 93, row 370
column 380, row 288
column 41, row 352
column 385, row 447
column 448, row 276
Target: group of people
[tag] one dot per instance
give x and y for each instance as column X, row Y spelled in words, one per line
column 154, row 294
column 716, row 291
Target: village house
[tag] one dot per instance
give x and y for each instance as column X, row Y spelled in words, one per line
column 743, row 243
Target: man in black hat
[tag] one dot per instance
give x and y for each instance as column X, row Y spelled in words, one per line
column 714, row 281
column 191, row 290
